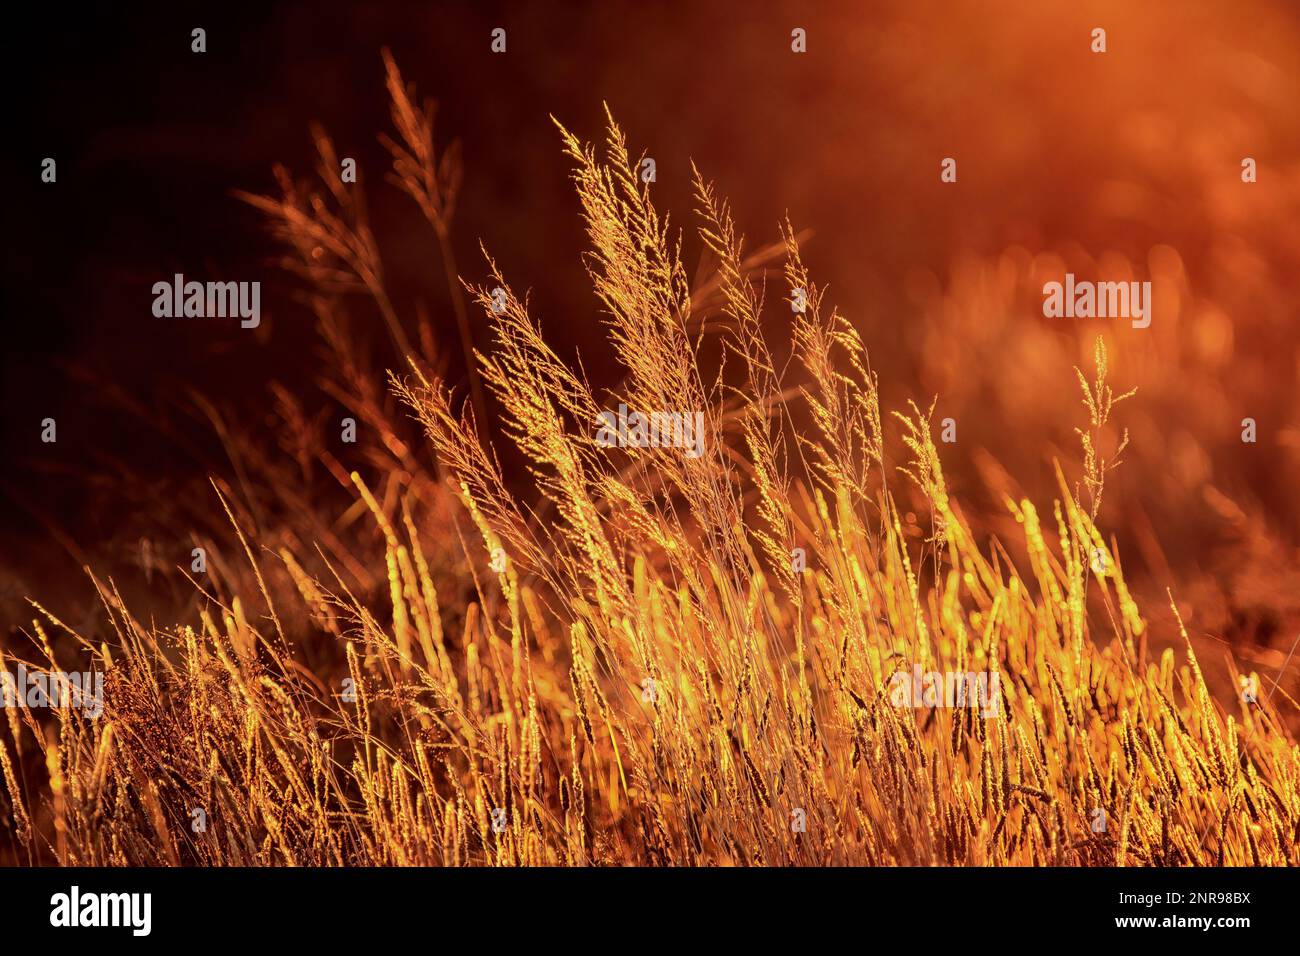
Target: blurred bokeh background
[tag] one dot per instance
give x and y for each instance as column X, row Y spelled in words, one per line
column 1119, row 165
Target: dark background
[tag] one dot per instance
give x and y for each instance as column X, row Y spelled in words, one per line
column 1058, row 148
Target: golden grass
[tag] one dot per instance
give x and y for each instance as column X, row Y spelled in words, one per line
column 623, row 664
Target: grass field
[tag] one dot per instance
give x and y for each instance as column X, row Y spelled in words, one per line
column 482, row 637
